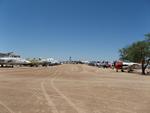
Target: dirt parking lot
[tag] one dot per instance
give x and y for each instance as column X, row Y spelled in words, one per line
column 72, row 89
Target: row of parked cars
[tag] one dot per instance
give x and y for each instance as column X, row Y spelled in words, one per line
column 101, row 64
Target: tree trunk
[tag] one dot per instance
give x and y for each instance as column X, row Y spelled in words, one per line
column 143, row 70
column 143, row 67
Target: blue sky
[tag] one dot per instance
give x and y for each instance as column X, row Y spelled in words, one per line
column 83, row 29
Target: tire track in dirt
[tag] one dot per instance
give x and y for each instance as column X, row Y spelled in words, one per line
column 6, row 107
column 89, row 92
column 79, row 110
column 47, row 97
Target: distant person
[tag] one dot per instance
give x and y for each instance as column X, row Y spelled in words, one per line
column 118, row 65
column 113, row 65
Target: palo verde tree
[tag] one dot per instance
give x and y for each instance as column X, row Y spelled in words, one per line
column 138, row 52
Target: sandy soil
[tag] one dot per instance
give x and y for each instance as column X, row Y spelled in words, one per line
column 72, row 89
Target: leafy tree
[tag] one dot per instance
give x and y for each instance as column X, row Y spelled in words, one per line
column 147, row 37
column 138, row 52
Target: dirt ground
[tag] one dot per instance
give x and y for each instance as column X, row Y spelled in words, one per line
column 72, row 89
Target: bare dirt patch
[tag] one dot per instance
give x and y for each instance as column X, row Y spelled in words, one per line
column 72, row 89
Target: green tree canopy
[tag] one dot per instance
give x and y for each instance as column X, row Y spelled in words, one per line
column 147, row 37
column 138, row 52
